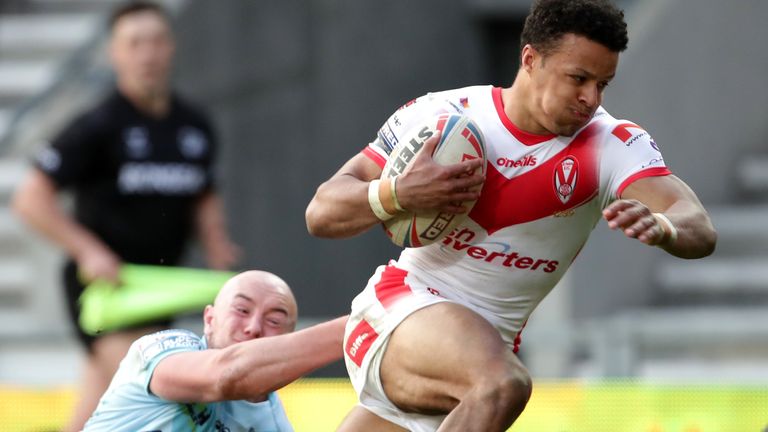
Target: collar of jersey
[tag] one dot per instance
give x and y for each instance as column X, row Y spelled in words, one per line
column 524, row 137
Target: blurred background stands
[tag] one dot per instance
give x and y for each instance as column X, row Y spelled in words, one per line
column 296, row 87
column 41, row 42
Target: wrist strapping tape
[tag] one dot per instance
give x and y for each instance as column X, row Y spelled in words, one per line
column 671, row 232
column 375, row 202
column 393, row 189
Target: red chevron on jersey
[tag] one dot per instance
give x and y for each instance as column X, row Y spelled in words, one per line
column 530, row 196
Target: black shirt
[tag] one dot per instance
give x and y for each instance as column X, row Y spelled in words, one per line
column 136, row 179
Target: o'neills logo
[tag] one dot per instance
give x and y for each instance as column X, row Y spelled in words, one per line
column 566, row 174
column 511, row 163
column 460, row 241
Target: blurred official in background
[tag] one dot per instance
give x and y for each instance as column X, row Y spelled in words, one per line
column 139, row 165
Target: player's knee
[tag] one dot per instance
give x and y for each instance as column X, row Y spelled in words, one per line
column 509, row 391
column 515, row 389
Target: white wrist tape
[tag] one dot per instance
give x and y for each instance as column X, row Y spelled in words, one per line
column 671, row 232
column 393, row 189
column 375, row 202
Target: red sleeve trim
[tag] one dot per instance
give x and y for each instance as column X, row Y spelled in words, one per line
column 650, row 172
column 372, row 155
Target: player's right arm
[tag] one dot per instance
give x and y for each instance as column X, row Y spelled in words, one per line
column 35, row 201
column 340, row 207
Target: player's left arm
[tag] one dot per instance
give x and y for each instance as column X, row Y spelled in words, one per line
column 664, row 211
column 221, row 253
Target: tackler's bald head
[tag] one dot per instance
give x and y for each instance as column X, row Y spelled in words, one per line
column 251, row 304
column 258, row 282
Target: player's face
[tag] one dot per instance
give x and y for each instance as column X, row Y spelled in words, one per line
column 568, row 83
column 141, row 50
column 250, row 310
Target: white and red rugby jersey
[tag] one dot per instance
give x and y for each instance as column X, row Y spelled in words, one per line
column 542, row 197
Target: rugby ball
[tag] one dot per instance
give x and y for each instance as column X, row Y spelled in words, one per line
column 460, row 140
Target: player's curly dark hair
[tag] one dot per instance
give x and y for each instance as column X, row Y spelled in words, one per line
column 597, row 20
column 136, row 6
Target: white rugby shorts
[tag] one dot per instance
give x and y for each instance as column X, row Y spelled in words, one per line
column 390, row 296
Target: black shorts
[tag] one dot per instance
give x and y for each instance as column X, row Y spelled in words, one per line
column 73, row 289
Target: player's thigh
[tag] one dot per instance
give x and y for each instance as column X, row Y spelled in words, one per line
column 360, row 419
column 438, row 354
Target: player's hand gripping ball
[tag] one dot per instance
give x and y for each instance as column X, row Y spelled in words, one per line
column 460, row 140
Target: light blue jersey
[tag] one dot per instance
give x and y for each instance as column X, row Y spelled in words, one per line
column 129, row 406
